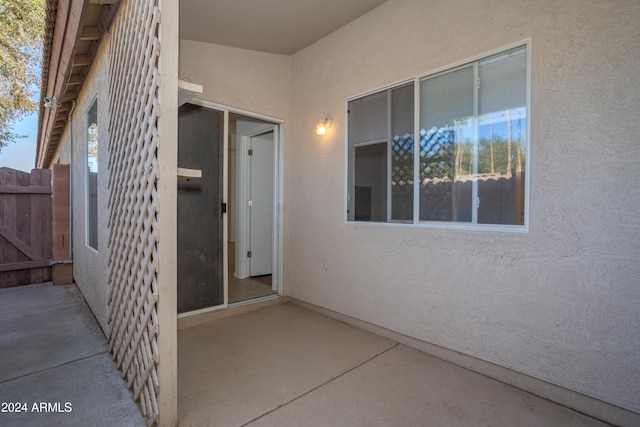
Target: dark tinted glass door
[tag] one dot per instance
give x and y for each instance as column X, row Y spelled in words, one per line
column 200, row 245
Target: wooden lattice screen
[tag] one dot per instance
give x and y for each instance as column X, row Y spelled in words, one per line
column 133, row 200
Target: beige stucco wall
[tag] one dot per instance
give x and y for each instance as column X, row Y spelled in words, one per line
column 560, row 303
column 90, row 267
column 252, row 81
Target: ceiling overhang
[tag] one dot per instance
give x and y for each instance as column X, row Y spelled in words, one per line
column 275, row 26
column 74, row 29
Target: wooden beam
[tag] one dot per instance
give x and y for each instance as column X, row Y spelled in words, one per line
column 90, row 33
column 75, row 79
column 106, row 16
column 69, row 95
column 24, row 265
column 104, row 2
column 80, row 60
column 23, row 189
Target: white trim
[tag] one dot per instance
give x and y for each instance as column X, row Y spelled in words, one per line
column 449, row 67
column 87, row 191
column 475, row 200
column 371, row 142
column 389, row 153
column 222, row 107
column 225, row 216
column 467, row 226
column 527, row 176
column 277, row 277
column 243, row 188
column 242, row 217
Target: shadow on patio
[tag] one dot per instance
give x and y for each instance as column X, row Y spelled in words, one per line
column 288, row 366
column 55, row 368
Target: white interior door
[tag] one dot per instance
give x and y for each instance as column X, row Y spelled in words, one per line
column 261, row 204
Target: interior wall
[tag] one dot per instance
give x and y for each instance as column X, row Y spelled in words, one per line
column 90, row 270
column 561, row 302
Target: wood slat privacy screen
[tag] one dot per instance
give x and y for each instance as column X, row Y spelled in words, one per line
column 133, row 200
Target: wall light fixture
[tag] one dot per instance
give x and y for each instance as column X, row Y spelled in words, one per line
column 323, row 125
column 50, row 102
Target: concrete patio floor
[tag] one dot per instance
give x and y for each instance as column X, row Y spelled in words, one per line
column 289, row 366
column 54, row 358
column 284, row 365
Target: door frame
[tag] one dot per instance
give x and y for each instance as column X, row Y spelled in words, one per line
column 225, row 185
column 278, row 193
column 243, row 193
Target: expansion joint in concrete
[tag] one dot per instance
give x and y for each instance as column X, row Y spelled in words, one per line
column 335, row 377
column 69, row 362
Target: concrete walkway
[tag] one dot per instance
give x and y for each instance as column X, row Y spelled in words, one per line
column 54, row 364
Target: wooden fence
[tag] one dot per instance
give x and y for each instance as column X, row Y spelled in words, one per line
column 25, row 227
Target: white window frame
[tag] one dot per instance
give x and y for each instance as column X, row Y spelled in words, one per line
column 473, row 226
column 87, row 192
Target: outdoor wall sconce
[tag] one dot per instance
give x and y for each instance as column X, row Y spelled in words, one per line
column 323, row 125
column 50, row 102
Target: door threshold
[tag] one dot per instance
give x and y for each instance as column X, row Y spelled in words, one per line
column 253, row 300
column 201, row 311
column 240, row 307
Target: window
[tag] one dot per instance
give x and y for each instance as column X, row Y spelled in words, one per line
column 466, row 166
column 92, row 175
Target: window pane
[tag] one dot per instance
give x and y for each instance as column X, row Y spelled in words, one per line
column 501, row 138
column 92, row 175
column 402, row 142
column 446, row 146
column 367, row 125
column 370, row 201
column 368, row 118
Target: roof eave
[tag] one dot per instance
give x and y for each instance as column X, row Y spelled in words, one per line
column 74, row 30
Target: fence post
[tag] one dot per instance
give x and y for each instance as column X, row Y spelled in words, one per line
column 63, row 267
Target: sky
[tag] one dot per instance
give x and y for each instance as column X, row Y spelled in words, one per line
column 21, row 155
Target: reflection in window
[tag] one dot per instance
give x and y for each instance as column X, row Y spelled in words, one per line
column 470, row 146
column 92, row 175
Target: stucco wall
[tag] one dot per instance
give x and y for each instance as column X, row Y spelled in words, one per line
column 252, row 81
column 560, row 303
column 90, row 270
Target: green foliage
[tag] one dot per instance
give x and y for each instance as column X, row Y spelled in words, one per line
column 21, row 34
